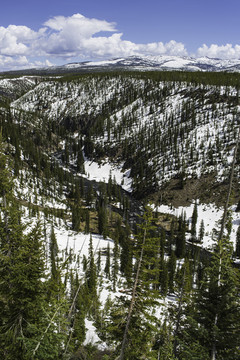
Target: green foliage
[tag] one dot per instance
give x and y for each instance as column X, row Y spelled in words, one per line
column 194, row 222
column 91, row 275
column 237, row 252
column 25, row 327
column 137, row 315
column 107, row 265
column 214, row 322
column 33, row 311
column 181, row 237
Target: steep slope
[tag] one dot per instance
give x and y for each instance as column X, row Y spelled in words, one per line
column 12, row 88
column 169, row 134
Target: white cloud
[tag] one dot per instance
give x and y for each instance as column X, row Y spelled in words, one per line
column 75, row 36
column 20, row 62
column 170, row 48
column 80, row 38
column 227, row 51
column 17, row 40
column 77, row 22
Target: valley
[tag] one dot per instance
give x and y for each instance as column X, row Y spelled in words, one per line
column 125, row 175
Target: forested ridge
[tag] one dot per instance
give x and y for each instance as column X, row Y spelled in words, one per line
column 77, row 254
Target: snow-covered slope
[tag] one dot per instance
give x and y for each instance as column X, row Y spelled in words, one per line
column 162, row 62
column 156, row 130
column 15, row 87
column 142, row 63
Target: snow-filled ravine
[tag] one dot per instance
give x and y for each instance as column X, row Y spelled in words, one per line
column 103, row 172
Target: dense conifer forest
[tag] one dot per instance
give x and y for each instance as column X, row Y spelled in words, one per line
column 92, row 267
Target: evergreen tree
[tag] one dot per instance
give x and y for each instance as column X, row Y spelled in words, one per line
column 164, row 343
column 181, row 237
column 53, row 247
column 80, row 162
column 77, row 332
column 213, row 327
column 137, row 331
column 102, row 221
column 171, row 271
column 201, row 231
column 194, row 222
column 91, row 275
column 126, row 255
column 115, row 265
column 107, row 264
column 237, row 252
column 164, row 277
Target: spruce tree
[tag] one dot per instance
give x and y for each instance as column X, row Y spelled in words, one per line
column 237, row 251
column 91, row 275
column 194, row 222
column 107, row 264
column 115, row 265
column 181, row 237
column 171, row 271
column 201, row 231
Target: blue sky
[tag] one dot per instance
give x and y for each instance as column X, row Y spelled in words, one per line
column 57, row 32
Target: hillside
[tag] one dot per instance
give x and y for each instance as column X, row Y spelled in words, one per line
column 87, row 154
column 139, row 122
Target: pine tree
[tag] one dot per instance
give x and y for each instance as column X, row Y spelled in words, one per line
column 179, row 310
column 140, row 322
column 164, row 343
column 115, row 265
column 171, row 271
column 237, row 251
column 181, row 237
column 164, row 277
column 77, row 314
column 194, row 222
column 126, row 256
column 102, row 221
column 53, row 248
column 91, row 275
column 107, row 264
column 201, row 231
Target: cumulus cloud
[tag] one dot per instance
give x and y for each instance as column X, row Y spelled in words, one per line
column 75, row 36
column 17, row 40
column 227, row 51
column 20, row 62
column 170, row 48
column 81, row 38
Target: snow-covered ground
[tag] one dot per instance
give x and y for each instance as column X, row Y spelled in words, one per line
column 210, row 214
column 76, row 246
column 103, row 172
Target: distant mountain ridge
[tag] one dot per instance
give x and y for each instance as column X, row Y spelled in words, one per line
column 142, row 63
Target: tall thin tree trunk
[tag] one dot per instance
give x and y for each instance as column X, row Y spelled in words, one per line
column 124, row 343
column 179, row 314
